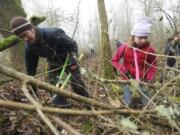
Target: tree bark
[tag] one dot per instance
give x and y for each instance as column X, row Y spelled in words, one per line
column 105, row 42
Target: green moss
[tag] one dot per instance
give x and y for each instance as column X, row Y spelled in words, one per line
column 8, row 42
column 116, row 89
column 36, row 20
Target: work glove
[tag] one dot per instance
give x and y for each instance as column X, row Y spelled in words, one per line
column 73, row 61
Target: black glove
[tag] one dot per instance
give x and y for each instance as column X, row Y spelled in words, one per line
column 73, row 61
column 73, row 58
column 128, row 74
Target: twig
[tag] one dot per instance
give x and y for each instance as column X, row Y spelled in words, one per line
column 155, row 95
column 5, row 30
column 155, row 54
column 38, row 109
column 119, row 81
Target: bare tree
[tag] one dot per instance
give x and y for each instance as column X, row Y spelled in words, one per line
column 77, row 19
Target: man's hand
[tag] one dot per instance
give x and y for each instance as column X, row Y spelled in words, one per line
column 73, row 61
column 74, row 67
column 73, row 58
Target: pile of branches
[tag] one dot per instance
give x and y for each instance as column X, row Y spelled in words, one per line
column 107, row 114
column 113, row 118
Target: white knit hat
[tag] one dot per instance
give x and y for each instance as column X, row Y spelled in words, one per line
column 142, row 27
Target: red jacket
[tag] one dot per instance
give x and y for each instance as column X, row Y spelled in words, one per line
column 146, row 62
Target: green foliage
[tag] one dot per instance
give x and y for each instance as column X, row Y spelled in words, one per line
column 8, row 42
column 170, row 113
column 87, row 127
column 174, row 99
column 117, row 89
column 134, row 89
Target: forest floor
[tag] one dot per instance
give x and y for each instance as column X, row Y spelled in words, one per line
column 21, row 122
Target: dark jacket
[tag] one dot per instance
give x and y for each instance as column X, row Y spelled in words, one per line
column 170, row 50
column 53, row 44
column 177, row 45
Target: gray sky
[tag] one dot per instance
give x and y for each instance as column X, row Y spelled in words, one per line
column 88, row 8
column 88, row 11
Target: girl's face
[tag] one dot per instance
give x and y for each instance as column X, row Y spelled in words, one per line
column 140, row 40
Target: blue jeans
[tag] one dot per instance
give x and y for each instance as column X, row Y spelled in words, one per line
column 127, row 95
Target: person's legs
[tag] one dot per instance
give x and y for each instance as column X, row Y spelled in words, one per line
column 127, row 95
column 52, row 79
column 77, row 84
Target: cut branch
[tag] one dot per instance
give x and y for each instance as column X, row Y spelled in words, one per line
column 22, row 77
column 72, row 112
column 38, row 109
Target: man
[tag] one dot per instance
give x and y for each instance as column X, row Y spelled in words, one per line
column 54, row 45
column 176, row 42
column 170, row 50
column 118, row 43
column 92, row 50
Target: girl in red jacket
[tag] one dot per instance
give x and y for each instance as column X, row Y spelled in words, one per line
column 138, row 60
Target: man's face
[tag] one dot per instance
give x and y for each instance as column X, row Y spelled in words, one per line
column 28, row 36
column 140, row 40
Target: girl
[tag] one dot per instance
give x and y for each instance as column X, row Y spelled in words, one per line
column 138, row 61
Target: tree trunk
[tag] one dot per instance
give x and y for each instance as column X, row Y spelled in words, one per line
column 9, row 9
column 105, row 42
